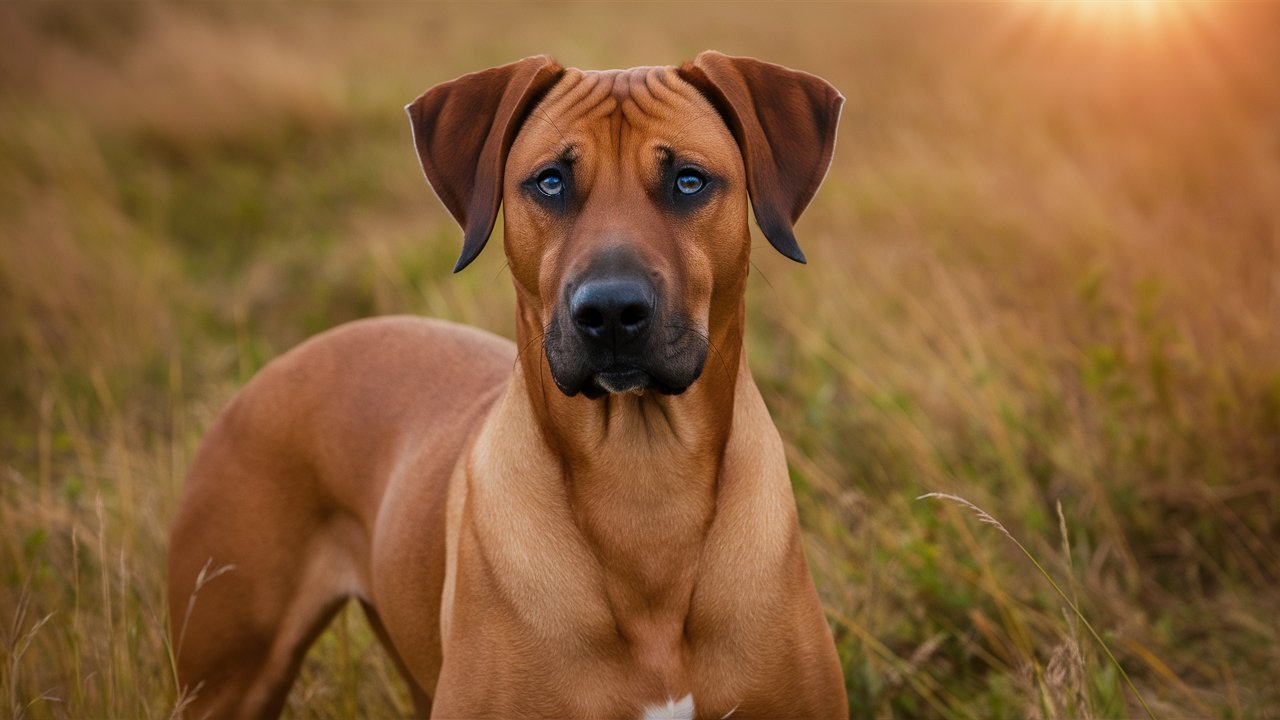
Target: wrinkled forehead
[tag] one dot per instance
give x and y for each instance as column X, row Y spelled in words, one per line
column 588, row 112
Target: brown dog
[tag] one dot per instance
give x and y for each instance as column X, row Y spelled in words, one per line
column 603, row 528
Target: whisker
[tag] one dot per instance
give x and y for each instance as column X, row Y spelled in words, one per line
column 763, row 276
column 706, row 339
column 505, row 265
column 545, row 329
column 542, row 116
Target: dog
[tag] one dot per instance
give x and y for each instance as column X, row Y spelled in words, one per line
column 595, row 521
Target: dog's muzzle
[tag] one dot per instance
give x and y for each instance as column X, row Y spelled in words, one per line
column 610, row 335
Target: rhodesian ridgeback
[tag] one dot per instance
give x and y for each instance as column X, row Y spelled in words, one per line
column 595, row 521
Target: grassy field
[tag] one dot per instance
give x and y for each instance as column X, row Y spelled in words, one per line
column 1044, row 276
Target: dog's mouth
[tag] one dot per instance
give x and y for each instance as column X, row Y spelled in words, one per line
column 574, row 372
column 621, row 379
column 618, row 379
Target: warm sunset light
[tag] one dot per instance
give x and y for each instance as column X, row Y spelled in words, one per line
column 1125, row 18
column 1007, row 444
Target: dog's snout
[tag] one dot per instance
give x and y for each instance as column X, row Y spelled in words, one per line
column 612, row 311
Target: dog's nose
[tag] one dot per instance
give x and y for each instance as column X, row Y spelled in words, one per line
column 612, row 311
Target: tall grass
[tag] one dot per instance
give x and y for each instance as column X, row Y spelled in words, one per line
column 1043, row 277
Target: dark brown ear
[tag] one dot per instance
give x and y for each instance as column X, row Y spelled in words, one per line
column 463, row 130
column 785, row 122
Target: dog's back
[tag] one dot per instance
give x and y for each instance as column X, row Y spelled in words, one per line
column 281, row 503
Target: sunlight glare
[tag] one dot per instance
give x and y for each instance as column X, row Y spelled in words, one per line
column 1145, row 20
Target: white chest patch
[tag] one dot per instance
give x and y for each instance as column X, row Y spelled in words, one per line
column 681, row 709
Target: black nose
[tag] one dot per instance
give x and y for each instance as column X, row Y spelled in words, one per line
column 612, row 311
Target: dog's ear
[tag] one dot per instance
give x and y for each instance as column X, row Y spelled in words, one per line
column 463, row 129
column 785, row 123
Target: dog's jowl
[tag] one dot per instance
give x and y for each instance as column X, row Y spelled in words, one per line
column 592, row 521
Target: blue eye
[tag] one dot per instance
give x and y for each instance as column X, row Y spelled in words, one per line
column 550, row 183
column 690, row 182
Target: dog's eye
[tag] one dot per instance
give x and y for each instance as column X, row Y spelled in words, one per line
column 550, row 183
column 689, row 182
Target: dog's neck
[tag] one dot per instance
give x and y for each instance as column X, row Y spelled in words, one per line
column 641, row 474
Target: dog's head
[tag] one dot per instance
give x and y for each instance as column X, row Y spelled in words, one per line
column 625, row 196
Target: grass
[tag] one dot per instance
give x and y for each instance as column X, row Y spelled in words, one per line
column 1075, row 652
column 1043, row 277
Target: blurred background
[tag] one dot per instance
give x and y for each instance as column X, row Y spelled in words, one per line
column 1044, row 276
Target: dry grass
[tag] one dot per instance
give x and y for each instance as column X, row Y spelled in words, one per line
column 1045, row 277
